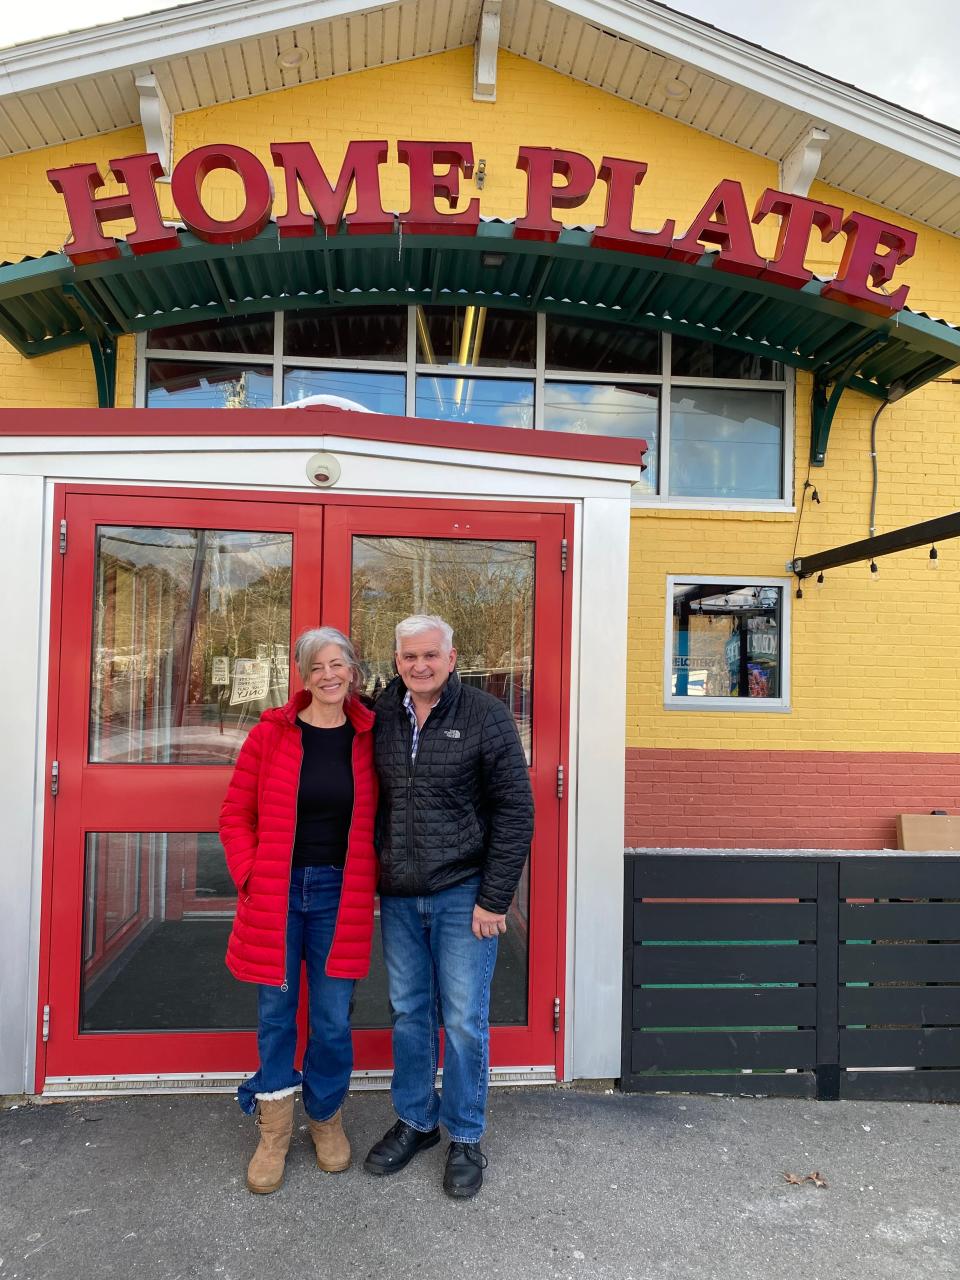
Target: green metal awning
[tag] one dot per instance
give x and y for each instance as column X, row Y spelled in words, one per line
column 47, row 304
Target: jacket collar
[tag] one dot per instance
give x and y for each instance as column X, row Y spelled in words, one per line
column 395, row 692
column 359, row 715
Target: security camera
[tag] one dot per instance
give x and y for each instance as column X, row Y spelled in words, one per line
column 323, row 470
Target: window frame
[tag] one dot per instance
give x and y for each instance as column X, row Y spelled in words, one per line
column 748, row 706
column 411, row 368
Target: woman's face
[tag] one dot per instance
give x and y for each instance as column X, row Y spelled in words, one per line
column 328, row 679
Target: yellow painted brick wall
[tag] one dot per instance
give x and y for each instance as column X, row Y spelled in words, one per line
column 874, row 662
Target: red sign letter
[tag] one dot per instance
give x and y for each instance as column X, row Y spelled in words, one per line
column 187, row 180
column 360, row 166
column 87, row 213
column 723, row 220
column 862, row 262
column 622, row 178
column 798, row 216
column 427, row 186
column 541, row 164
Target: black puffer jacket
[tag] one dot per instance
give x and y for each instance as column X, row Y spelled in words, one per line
column 463, row 806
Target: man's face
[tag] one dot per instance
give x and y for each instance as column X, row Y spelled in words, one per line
column 424, row 664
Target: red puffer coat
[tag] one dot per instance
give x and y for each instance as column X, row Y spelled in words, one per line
column 257, row 828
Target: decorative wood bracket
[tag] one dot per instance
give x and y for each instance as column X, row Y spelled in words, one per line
column 156, row 118
column 800, row 165
column 485, row 51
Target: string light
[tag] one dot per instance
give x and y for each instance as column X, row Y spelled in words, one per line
column 820, row 578
column 934, row 556
column 874, row 571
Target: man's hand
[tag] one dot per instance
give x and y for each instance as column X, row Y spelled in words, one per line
column 486, row 924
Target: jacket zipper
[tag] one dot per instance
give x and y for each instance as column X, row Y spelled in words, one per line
column 353, row 814
column 284, row 986
column 412, row 772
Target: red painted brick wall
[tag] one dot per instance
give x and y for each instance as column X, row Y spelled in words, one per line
column 781, row 799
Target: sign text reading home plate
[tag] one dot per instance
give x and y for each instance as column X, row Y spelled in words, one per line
column 556, row 180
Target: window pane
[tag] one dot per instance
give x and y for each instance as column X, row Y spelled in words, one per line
column 347, row 333
column 476, row 335
column 606, row 409
column 726, row 641
column 596, row 347
column 498, row 402
column 726, row 443
column 158, row 908
column 381, row 392
column 191, row 642
column 693, row 358
column 194, row 385
column 252, row 337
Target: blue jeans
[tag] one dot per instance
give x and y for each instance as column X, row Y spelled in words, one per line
column 434, row 964
column 328, row 1061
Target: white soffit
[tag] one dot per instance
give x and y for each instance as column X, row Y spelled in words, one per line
column 81, row 84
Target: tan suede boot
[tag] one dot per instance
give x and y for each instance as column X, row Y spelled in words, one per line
column 333, row 1148
column 275, row 1122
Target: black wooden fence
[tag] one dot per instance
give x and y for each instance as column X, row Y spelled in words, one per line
column 811, row 974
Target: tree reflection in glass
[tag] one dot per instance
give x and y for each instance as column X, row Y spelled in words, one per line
column 191, row 642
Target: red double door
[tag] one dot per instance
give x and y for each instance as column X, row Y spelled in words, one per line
column 174, row 620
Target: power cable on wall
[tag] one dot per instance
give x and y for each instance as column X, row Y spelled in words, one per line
column 815, row 495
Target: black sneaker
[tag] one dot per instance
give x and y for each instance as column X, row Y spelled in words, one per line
column 397, row 1148
column 463, row 1176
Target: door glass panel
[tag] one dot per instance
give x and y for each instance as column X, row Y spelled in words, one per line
column 191, row 642
column 485, row 590
column 158, row 908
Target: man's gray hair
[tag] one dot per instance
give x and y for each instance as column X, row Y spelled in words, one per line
column 417, row 623
column 309, row 643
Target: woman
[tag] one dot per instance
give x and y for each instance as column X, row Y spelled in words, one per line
column 297, row 827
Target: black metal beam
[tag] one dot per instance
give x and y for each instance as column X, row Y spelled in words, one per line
column 912, row 535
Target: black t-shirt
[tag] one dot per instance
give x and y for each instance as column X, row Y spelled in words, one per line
column 325, row 797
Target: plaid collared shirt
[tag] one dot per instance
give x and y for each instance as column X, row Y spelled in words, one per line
column 415, row 741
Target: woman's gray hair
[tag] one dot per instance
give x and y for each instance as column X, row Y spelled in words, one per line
column 310, row 642
column 417, row 623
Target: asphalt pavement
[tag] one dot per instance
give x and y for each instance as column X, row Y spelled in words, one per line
column 587, row 1184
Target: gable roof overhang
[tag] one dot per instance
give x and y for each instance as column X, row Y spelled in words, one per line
column 48, row 304
column 78, row 85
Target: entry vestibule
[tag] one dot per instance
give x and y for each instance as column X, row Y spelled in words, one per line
column 192, row 558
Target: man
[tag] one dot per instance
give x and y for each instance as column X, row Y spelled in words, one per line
column 454, row 831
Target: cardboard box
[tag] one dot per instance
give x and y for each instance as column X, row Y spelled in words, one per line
column 928, row 833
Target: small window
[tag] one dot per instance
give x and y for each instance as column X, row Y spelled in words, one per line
column 728, row 644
